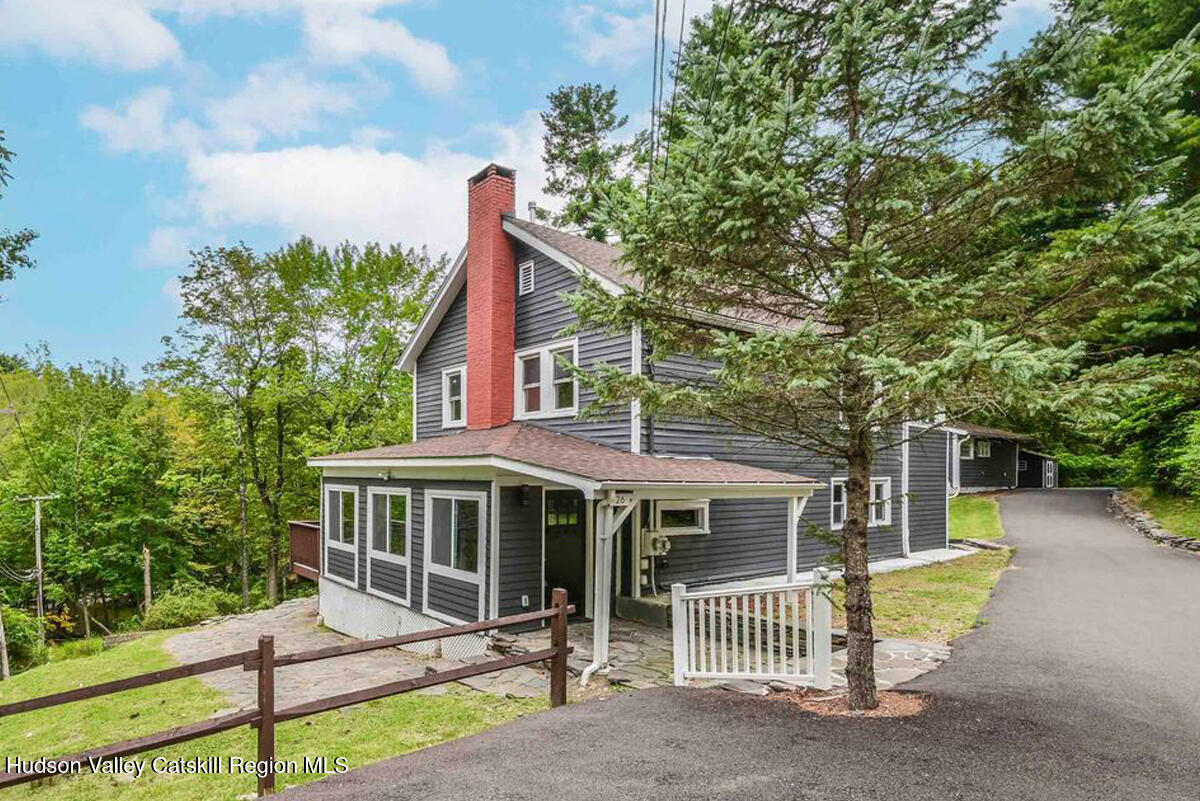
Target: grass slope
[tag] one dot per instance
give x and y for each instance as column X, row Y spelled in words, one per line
column 975, row 517
column 1178, row 514
column 362, row 734
column 942, row 601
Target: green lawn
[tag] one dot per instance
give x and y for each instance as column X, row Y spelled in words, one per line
column 1178, row 514
column 976, row 517
column 943, row 601
column 363, row 734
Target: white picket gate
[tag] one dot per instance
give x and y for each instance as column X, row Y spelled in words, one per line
column 754, row 632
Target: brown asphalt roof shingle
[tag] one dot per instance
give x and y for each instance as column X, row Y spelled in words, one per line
column 985, row 431
column 540, row 447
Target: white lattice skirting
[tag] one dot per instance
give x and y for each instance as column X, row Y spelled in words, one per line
column 368, row 617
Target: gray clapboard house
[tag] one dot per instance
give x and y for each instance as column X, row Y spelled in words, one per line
column 989, row 459
column 507, row 492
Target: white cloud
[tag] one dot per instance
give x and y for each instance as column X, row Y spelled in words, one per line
column 341, row 35
column 609, row 34
column 140, row 124
column 278, row 99
column 112, row 33
column 170, row 246
column 361, row 193
column 1017, row 12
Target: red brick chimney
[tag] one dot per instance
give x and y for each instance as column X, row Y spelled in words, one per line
column 491, row 297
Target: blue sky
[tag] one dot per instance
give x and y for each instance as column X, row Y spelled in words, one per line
column 145, row 127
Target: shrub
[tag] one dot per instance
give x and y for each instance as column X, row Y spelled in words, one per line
column 25, row 646
column 74, row 649
column 186, row 605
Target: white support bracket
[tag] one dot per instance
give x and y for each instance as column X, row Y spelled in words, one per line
column 611, row 514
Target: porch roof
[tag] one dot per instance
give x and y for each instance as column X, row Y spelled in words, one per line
column 537, row 447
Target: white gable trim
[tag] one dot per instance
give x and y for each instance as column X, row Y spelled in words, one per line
column 456, row 279
column 574, row 266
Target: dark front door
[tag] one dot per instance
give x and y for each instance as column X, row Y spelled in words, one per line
column 566, row 556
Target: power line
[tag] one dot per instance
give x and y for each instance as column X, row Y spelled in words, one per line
column 653, row 98
column 675, row 84
column 37, row 468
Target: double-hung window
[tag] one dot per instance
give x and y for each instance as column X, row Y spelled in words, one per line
column 454, row 397
column 879, row 513
column 983, row 449
column 879, row 508
column 390, row 528
column 454, row 535
column 341, row 516
column 545, row 386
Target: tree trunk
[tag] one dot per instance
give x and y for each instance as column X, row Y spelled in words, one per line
column 146, row 594
column 860, row 636
column 87, row 619
column 245, row 524
column 3, row 649
column 273, row 570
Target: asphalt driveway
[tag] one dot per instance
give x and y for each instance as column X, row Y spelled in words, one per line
column 1084, row 684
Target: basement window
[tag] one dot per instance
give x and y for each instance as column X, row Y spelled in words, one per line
column 681, row 517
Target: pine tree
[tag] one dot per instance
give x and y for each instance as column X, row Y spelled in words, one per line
column 843, row 170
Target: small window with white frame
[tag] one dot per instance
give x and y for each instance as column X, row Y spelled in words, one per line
column 454, row 397
column 525, row 278
column 879, row 507
column 837, row 503
column 966, row 449
column 983, row 449
column 545, row 385
column 391, row 529
column 341, row 516
column 681, row 517
column 879, row 512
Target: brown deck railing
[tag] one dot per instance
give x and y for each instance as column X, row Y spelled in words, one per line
column 304, row 540
column 263, row 660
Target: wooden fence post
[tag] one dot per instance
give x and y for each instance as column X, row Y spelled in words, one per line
column 558, row 641
column 266, row 712
column 822, row 630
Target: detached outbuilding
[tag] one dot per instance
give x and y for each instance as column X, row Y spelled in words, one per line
column 988, row 459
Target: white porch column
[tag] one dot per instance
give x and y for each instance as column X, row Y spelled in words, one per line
column 610, row 515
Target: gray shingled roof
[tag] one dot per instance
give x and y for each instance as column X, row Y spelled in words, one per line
column 540, row 447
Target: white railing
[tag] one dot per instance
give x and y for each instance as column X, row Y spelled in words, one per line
column 754, row 632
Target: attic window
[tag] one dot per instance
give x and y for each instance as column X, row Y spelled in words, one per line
column 525, row 279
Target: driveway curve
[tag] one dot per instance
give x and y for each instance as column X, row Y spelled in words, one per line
column 1082, row 685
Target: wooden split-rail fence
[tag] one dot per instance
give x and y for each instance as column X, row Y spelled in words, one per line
column 265, row 716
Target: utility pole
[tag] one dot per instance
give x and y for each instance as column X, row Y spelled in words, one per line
column 37, row 555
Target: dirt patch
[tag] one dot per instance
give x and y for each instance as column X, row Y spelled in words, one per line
column 892, row 703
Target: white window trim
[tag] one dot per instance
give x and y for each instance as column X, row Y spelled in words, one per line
column 700, row 505
column 885, row 520
column 970, row 449
column 546, row 365
column 470, row 577
column 532, row 277
column 338, row 544
column 384, row 556
column 983, row 449
column 449, row 371
column 885, row 505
